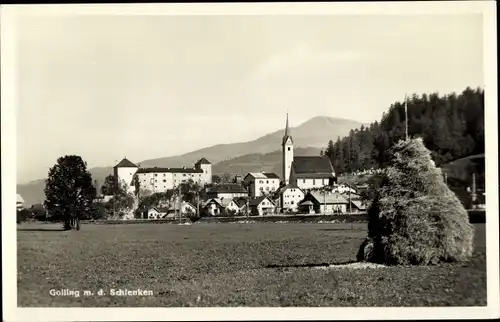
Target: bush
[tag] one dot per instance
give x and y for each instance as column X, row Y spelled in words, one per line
column 23, row 215
column 415, row 219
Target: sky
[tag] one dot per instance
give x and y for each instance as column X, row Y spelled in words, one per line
column 104, row 87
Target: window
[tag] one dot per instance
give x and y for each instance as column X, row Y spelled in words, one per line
column 314, row 182
column 184, row 175
column 288, row 148
column 164, row 180
column 156, row 180
column 261, row 188
column 303, row 180
column 267, row 181
column 291, row 202
column 267, row 188
column 164, row 175
column 260, row 181
column 156, row 174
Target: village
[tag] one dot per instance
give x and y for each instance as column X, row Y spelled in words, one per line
column 308, row 185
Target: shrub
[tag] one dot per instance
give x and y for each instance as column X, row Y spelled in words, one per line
column 414, row 218
column 23, row 215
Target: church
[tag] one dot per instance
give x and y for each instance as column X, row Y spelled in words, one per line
column 306, row 173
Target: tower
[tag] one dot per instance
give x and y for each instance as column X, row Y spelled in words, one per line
column 124, row 173
column 287, row 153
column 204, row 165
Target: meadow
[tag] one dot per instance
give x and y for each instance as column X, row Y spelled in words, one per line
column 229, row 265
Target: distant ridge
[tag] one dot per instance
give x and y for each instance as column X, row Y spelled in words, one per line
column 260, row 154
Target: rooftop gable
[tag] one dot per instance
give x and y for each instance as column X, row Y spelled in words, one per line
column 125, row 163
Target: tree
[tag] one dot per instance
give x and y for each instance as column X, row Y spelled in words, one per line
column 69, row 192
column 216, row 179
column 109, row 186
column 121, row 203
column 226, row 178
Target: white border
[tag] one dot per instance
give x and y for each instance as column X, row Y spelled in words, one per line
column 8, row 154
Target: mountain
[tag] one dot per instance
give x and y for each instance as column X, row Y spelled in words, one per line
column 256, row 162
column 260, row 154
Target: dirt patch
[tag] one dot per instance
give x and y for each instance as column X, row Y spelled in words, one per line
column 357, row 265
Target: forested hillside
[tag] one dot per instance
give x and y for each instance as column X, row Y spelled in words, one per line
column 452, row 127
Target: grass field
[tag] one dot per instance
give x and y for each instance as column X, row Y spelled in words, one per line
column 229, row 265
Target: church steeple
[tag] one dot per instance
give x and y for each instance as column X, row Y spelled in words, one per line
column 287, row 133
column 287, row 153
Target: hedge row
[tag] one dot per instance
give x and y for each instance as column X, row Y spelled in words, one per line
column 475, row 216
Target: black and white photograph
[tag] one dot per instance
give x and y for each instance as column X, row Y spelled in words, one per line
column 329, row 160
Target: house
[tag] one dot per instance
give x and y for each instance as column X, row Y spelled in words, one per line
column 226, row 190
column 213, row 207
column 155, row 213
column 229, row 205
column 156, row 179
column 261, row 206
column 289, row 197
column 261, row 183
column 324, row 203
column 357, row 204
column 307, row 172
column 186, row 209
column 241, row 202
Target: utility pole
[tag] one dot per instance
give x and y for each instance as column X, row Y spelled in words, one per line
column 324, row 201
column 406, row 117
column 474, row 194
column 350, row 206
column 180, row 205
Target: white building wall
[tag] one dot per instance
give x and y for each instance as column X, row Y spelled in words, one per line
column 265, row 186
column 156, row 182
column 207, row 173
column 265, row 207
column 287, row 158
column 231, row 195
column 332, row 208
column 126, row 175
column 308, row 183
column 290, row 198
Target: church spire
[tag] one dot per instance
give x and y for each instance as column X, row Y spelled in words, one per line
column 286, row 128
column 287, row 132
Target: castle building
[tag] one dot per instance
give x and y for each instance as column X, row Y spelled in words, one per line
column 157, row 179
column 305, row 172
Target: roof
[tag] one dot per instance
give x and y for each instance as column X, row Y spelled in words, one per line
column 288, row 186
column 169, row 170
column 271, row 175
column 20, row 199
column 329, row 198
column 307, row 203
column 215, row 200
column 354, row 196
column 240, row 201
column 257, row 201
column 359, row 204
column 125, row 163
column 203, row 161
column 228, row 188
column 263, row 175
column 312, row 165
column 315, row 176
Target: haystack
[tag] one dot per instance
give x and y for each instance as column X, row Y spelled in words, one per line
column 415, row 219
